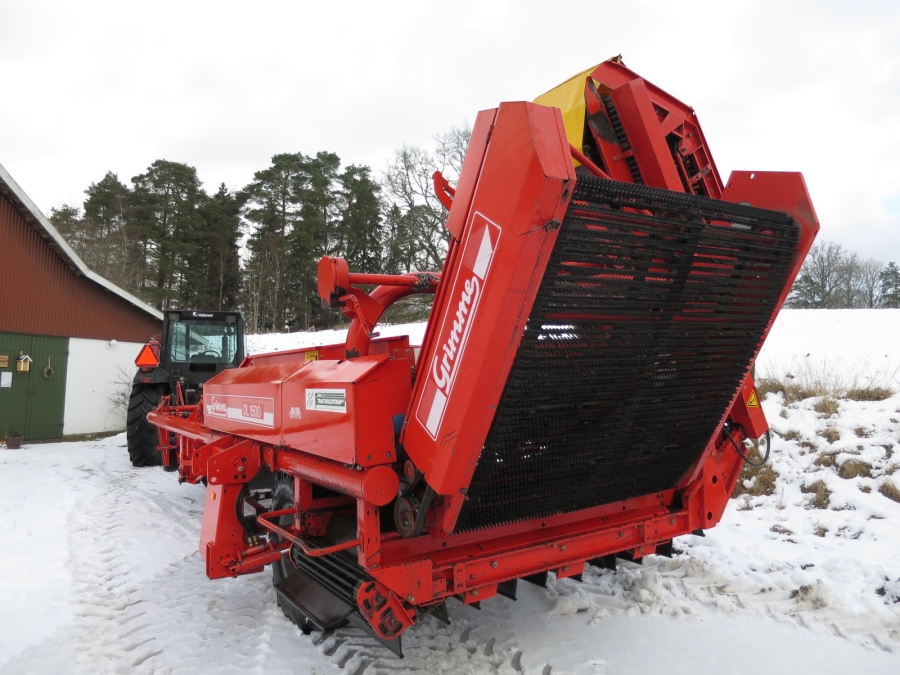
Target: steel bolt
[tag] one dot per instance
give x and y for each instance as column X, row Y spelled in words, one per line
column 562, row 548
column 388, row 454
column 494, row 564
column 411, row 597
column 475, row 592
column 241, row 469
column 472, row 577
column 565, row 568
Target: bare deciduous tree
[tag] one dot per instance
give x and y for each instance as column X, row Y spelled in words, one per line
column 834, row 278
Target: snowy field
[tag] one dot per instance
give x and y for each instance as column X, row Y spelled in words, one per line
column 99, row 571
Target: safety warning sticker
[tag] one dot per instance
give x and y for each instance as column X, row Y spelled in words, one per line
column 753, row 401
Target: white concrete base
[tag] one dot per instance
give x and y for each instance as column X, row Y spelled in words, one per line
column 98, row 379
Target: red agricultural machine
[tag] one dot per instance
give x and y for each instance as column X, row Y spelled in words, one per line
column 583, row 391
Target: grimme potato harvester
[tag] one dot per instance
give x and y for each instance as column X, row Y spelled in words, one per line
column 583, row 391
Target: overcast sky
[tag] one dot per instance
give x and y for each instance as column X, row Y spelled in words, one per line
column 88, row 87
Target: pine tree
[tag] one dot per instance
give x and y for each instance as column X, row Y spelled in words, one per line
column 361, row 221
column 115, row 253
column 889, row 286
column 214, row 265
column 164, row 211
column 68, row 222
column 272, row 206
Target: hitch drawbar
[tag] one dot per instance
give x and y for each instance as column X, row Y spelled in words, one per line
column 581, row 389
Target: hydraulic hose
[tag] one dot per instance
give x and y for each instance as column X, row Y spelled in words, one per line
column 738, row 450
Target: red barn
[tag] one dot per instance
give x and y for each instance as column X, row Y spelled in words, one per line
column 75, row 332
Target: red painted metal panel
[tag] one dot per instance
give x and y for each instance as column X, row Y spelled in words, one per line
column 510, row 228
column 647, row 141
column 462, row 200
column 343, row 410
column 650, row 118
column 247, row 401
column 338, row 409
column 41, row 295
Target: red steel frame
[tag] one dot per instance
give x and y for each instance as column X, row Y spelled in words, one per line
column 506, row 209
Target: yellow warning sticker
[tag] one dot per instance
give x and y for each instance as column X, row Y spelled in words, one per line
column 753, row 401
column 312, row 356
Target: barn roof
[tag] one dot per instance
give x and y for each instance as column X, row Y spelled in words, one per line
column 32, row 215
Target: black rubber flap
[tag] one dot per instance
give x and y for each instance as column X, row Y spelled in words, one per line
column 319, row 604
column 650, row 312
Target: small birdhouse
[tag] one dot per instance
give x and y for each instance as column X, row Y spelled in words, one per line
column 23, row 363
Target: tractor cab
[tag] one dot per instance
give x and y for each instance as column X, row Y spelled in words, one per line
column 193, row 347
column 199, row 344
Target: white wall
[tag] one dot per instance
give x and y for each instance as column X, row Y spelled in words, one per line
column 96, row 371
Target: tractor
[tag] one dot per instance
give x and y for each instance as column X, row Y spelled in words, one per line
column 194, row 346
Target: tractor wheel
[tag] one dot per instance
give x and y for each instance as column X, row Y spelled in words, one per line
column 142, row 436
column 283, row 498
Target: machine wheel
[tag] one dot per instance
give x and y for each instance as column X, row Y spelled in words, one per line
column 142, row 436
column 283, row 498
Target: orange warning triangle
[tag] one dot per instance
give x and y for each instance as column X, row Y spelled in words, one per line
column 753, row 401
column 146, row 359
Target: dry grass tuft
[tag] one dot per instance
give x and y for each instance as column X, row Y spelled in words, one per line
column 854, row 468
column 821, row 530
column 808, row 445
column 765, row 478
column 870, row 393
column 792, row 391
column 820, row 495
column 862, row 432
column 865, row 488
column 830, row 434
column 791, row 435
column 826, row 380
column 826, row 459
column 891, row 491
column 826, row 406
column 778, row 529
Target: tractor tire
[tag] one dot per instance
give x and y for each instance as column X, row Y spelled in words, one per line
column 283, row 498
column 142, row 436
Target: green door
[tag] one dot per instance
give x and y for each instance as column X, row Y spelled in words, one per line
column 34, row 403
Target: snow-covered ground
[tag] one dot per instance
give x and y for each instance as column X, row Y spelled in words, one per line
column 99, row 570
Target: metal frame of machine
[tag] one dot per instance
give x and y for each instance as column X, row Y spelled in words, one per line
column 383, row 447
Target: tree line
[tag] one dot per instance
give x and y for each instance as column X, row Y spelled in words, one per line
column 164, row 239
column 167, row 241
column 834, row 278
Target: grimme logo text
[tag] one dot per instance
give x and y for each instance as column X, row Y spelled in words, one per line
column 215, row 407
column 444, row 364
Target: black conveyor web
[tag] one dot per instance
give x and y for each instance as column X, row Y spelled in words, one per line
column 641, row 332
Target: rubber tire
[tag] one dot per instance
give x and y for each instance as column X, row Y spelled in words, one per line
column 283, row 498
column 143, row 436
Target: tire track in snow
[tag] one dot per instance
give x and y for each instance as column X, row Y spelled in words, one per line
column 475, row 642
column 176, row 620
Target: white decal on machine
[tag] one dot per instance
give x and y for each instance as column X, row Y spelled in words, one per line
column 326, row 400
column 255, row 410
column 444, row 367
